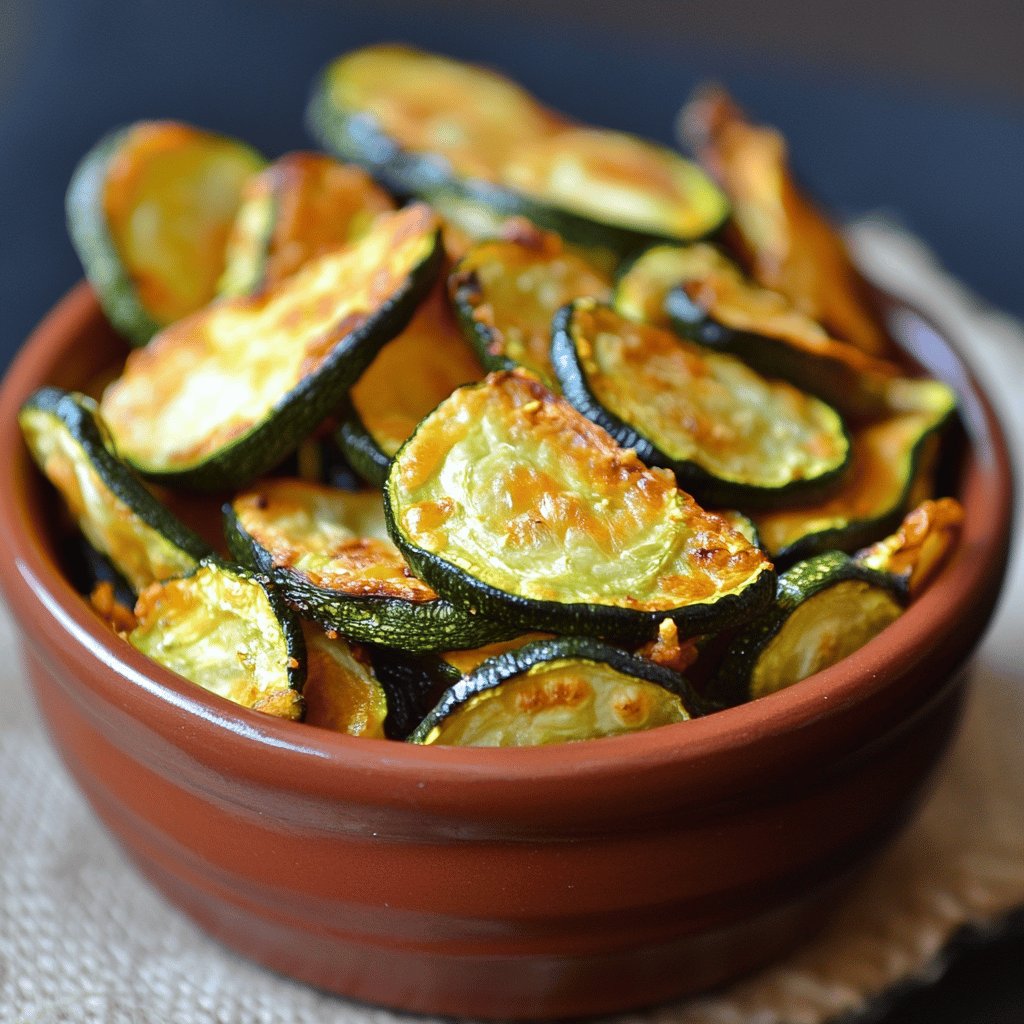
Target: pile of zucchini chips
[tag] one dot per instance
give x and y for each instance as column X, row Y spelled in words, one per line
column 522, row 431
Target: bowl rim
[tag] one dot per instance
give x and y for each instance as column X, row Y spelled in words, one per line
column 29, row 576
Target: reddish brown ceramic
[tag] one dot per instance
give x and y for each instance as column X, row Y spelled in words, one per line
column 550, row 881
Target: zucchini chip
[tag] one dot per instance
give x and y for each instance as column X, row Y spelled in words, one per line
column 556, row 691
column 915, row 552
column 507, row 500
column 729, row 435
column 408, row 378
column 891, row 465
column 117, row 515
column 826, row 608
column 605, row 187
column 226, row 630
column 506, row 293
column 342, row 693
column 222, row 396
column 300, row 207
column 741, row 523
column 464, row 662
column 329, row 553
column 419, row 121
column 435, row 127
column 468, row 222
column 787, row 243
column 149, row 210
column 703, row 296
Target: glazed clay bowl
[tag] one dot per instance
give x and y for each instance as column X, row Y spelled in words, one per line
column 549, row 881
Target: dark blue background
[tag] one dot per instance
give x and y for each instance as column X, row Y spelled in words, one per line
column 951, row 167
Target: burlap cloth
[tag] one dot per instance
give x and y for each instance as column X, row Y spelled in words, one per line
column 84, row 938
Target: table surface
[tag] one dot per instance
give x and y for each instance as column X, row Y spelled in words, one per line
column 948, row 164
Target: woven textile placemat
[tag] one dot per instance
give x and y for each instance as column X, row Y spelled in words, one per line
column 84, row 939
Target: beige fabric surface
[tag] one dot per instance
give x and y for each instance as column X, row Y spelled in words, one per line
column 84, row 939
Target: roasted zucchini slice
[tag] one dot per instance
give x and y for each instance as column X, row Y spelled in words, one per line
column 787, row 243
column 468, row 222
column 149, row 210
column 463, row 662
column 329, row 553
column 431, row 126
column 599, row 186
column 914, row 553
column 420, row 121
column 506, row 293
column 229, row 632
column 891, row 460
column 342, row 692
column 507, row 500
column 408, row 378
column 826, row 608
column 556, row 691
column 704, row 297
column 117, row 515
column 729, row 435
column 300, row 207
column 222, row 396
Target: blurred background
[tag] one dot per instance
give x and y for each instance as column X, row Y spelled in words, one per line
column 910, row 108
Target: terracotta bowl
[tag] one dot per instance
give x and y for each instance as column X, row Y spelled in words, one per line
column 551, row 881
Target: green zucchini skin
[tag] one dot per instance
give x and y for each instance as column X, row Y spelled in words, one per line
column 87, row 567
column 465, row 292
column 495, row 671
column 410, row 626
column 798, row 584
column 607, row 622
column 709, row 489
column 573, row 227
column 413, row 684
column 850, row 392
column 301, row 410
column 505, row 319
column 857, row 533
column 291, row 630
column 94, row 244
column 79, row 416
column 320, row 460
column 363, row 453
column 87, row 227
column 355, row 137
column 856, row 388
column 290, row 625
column 621, row 623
